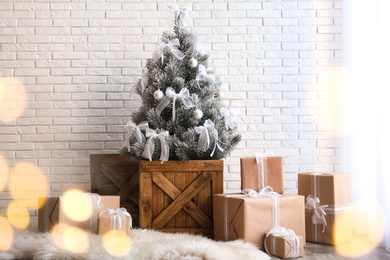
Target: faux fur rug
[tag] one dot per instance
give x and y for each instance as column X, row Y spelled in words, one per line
column 146, row 244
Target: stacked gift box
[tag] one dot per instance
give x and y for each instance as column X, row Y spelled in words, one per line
column 281, row 223
column 101, row 214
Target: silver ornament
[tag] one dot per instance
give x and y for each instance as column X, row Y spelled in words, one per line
column 158, row 95
column 192, row 63
column 198, row 114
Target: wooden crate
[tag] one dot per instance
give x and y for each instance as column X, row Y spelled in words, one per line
column 117, row 174
column 177, row 196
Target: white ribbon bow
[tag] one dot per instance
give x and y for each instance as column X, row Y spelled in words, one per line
column 182, row 15
column 279, row 231
column 228, row 117
column 202, row 74
column 173, row 46
column 170, row 93
column 267, row 191
column 144, row 79
column 204, row 138
column 116, row 217
column 313, row 203
column 138, row 134
column 149, row 147
column 93, row 200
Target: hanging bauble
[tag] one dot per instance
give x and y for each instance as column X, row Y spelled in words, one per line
column 158, row 95
column 198, row 114
column 221, row 94
column 192, row 63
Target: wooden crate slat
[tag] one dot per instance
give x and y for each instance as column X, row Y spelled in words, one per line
column 146, row 200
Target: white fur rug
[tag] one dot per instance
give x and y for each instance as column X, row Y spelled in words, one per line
column 146, row 244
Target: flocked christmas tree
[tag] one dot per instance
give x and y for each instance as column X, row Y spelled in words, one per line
column 182, row 115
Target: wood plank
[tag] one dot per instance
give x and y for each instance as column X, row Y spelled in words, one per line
column 145, row 200
column 179, row 166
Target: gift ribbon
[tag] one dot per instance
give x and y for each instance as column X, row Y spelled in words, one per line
column 116, row 217
column 202, row 74
column 279, row 231
column 173, row 46
column 138, row 134
column 92, row 202
column 204, row 138
column 149, row 147
column 262, row 177
column 182, row 15
column 184, row 96
column 144, row 79
column 228, row 118
column 267, row 191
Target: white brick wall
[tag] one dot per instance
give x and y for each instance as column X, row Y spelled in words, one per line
column 78, row 60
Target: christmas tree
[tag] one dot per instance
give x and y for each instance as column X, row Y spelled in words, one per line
column 182, row 115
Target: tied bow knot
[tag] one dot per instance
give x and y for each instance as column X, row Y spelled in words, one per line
column 116, row 217
column 204, row 137
column 279, row 231
column 138, row 134
column 92, row 200
column 149, row 147
column 184, row 96
column 173, row 46
column 182, row 15
column 202, row 74
column 267, row 191
column 228, row 117
column 313, row 203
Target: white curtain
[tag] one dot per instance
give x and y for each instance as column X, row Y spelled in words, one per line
column 366, row 111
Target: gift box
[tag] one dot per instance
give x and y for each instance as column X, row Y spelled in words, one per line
column 250, row 218
column 260, row 171
column 284, row 246
column 110, row 219
column 51, row 212
column 328, row 214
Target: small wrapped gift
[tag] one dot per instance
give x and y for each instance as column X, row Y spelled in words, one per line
column 250, row 216
column 284, row 243
column 110, row 219
column 52, row 212
column 261, row 171
column 328, row 214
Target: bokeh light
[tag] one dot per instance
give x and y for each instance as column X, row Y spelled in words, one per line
column 117, row 243
column 75, row 205
column 13, row 99
column 26, row 181
column 369, row 224
column 18, row 215
column 71, row 238
column 3, row 173
column 6, row 234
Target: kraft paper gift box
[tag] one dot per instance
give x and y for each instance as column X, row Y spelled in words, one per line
column 250, row 218
column 328, row 214
column 260, row 171
column 111, row 220
column 51, row 213
column 284, row 246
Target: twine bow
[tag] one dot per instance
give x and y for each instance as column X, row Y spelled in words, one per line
column 313, row 203
column 202, row 74
column 204, row 138
column 182, row 15
column 116, row 217
column 228, row 118
column 173, row 46
column 170, row 93
column 279, row 231
column 149, row 147
column 138, row 134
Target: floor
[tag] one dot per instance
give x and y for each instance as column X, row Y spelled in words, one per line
column 360, row 250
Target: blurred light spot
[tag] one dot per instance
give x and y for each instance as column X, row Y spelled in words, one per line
column 369, row 224
column 75, row 205
column 12, row 99
column 6, row 234
column 26, row 181
column 70, row 238
column 18, row 216
column 117, row 243
column 3, row 173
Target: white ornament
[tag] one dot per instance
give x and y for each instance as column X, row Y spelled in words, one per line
column 221, row 94
column 198, row 114
column 192, row 63
column 158, row 95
